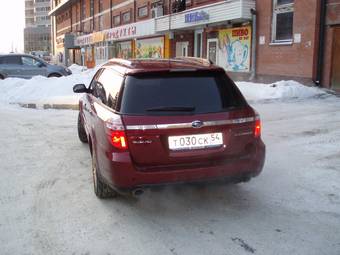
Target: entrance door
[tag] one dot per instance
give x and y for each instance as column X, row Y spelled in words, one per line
column 182, row 49
column 198, row 43
column 212, row 50
column 336, row 59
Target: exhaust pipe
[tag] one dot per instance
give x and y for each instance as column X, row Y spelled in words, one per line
column 137, row 192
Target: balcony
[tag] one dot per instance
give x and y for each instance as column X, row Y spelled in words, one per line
column 230, row 10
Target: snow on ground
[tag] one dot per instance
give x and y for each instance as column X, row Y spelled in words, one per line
column 278, row 90
column 47, row 204
column 41, row 90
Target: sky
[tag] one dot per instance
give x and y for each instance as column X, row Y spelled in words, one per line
column 12, row 22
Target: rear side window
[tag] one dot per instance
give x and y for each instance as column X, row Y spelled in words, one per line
column 12, row 60
column 107, row 88
column 179, row 93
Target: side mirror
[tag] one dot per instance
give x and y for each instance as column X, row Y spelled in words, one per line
column 80, row 88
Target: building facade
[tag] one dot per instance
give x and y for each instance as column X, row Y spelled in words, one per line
column 37, row 32
column 262, row 39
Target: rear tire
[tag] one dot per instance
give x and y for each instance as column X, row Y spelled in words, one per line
column 56, row 75
column 1, row 77
column 101, row 189
column 81, row 131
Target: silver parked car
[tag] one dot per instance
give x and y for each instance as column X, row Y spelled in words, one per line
column 26, row 66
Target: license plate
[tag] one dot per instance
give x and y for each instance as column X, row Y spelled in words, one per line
column 201, row 141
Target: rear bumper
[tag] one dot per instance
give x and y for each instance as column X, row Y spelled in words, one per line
column 120, row 173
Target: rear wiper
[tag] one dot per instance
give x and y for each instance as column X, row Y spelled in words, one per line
column 172, row 109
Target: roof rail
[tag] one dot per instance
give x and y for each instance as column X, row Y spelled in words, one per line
column 121, row 61
column 203, row 61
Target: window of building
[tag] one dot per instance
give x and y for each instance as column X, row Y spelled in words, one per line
column 126, row 17
column 91, row 15
column 91, row 8
column 116, row 20
column 83, row 10
column 101, row 6
column 143, row 11
column 283, row 13
column 101, row 22
column 83, row 15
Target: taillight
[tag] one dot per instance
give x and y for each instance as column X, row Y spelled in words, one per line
column 116, row 133
column 118, row 139
column 257, row 129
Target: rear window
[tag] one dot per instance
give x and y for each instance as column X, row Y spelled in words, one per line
column 179, row 93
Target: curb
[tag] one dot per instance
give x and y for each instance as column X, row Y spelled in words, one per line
column 50, row 106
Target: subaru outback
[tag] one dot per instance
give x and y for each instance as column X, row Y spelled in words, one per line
column 155, row 122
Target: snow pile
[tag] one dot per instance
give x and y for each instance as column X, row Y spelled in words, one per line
column 76, row 69
column 42, row 90
column 277, row 90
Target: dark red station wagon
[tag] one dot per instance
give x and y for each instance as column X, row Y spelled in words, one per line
column 153, row 122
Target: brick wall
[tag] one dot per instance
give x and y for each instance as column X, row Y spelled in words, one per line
column 297, row 59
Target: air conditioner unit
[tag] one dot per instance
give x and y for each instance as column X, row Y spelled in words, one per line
column 157, row 11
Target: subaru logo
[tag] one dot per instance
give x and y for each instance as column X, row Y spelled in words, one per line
column 197, row 124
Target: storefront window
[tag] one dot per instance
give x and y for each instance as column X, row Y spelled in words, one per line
column 283, row 13
column 124, row 50
column 150, row 48
column 89, row 56
column 111, row 50
column 101, row 53
column 234, row 49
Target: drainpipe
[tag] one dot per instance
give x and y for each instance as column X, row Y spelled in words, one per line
column 111, row 18
column 319, row 71
column 253, row 45
column 134, row 11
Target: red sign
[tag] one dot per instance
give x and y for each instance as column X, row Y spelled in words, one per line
column 120, row 33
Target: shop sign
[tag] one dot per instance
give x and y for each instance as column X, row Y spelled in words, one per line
column 97, row 37
column 120, row 33
column 196, row 16
column 142, row 28
column 234, row 49
column 84, row 40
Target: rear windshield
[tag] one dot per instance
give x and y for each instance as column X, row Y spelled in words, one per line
column 179, row 93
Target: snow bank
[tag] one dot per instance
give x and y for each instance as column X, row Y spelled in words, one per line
column 42, row 90
column 278, row 90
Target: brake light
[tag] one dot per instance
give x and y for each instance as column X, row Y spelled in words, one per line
column 257, row 130
column 116, row 133
column 118, row 139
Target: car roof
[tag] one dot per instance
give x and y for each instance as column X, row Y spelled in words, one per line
column 146, row 65
column 17, row 55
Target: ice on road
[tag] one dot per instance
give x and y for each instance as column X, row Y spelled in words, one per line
column 47, row 204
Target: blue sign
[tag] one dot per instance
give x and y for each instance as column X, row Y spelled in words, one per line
column 196, row 16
